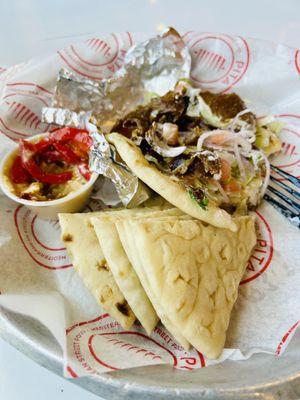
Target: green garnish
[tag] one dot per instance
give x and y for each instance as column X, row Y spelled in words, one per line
column 202, row 202
column 235, row 171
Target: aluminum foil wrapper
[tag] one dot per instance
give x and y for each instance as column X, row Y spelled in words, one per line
column 103, row 160
column 153, row 66
column 65, row 117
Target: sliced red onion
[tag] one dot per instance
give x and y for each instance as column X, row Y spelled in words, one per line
column 236, row 118
column 239, row 161
column 161, row 147
column 206, row 135
column 267, row 176
column 222, row 191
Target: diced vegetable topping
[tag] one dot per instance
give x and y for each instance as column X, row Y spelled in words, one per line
column 211, row 143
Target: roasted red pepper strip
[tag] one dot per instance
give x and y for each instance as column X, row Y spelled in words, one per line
column 27, row 157
column 50, row 156
column 78, row 140
column 17, row 172
column 42, row 145
column 84, row 140
column 84, row 170
column 67, row 153
column 66, row 134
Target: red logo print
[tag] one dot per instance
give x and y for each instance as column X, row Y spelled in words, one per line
column 218, row 61
column 297, row 60
column 21, row 109
column 289, row 157
column 101, row 345
column 94, row 344
column 130, row 352
column 97, row 58
column 286, row 338
column 41, row 240
column 262, row 253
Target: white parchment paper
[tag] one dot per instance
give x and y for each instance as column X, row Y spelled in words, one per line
column 36, row 277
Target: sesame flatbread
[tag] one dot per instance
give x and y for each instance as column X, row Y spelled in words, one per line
column 85, row 252
column 194, row 271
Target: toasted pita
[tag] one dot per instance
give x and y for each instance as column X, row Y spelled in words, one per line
column 128, row 241
column 169, row 189
column 119, row 264
column 194, row 271
column 87, row 257
column 124, row 274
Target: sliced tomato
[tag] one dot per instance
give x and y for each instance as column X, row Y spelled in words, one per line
column 218, row 138
column 225, row 170
column 232, row 186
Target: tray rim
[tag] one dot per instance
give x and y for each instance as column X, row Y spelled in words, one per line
column 104, row 384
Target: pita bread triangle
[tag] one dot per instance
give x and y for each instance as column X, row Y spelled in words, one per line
column 123, row 272
column 85, row 252
column 128, row 241
column 194, row 271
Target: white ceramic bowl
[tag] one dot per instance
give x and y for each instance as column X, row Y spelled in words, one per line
column 73, row 202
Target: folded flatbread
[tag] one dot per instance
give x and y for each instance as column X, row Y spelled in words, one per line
column 167, row 187
column 127, row 238
column 194, row 272
column 121, row 268
column 87, row 257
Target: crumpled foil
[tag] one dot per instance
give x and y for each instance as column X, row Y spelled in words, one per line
column 65, row 117
column 153, row 66
column 103, row 160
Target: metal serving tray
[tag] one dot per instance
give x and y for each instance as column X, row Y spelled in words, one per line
column 260, row 377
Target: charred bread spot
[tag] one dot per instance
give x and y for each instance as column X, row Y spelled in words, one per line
column 102, row 265
column 123, row 308
column 89, row 224
column 67, row 237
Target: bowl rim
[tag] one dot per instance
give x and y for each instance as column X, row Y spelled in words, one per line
column 34, row 203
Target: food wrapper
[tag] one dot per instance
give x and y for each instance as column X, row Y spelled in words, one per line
column 36, row 277
column 152, row 66
column 103, row 160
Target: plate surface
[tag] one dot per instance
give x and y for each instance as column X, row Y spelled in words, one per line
column 260, row 377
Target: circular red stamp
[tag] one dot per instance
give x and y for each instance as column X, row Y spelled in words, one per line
column 262, row 253
column 219, row 62
column 41, row 240
column 21, row 109
column 297, row 60
column 289, row 157
column 286, row 338
column 97, row 58
column 101, row 345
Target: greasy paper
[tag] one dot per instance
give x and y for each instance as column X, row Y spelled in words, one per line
column 34, row 263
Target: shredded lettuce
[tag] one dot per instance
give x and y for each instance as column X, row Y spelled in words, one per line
column 267, row 137
column 148, row 96
column 197, row 107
